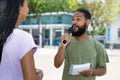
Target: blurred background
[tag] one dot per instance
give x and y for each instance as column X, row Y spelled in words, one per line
column 49, row 19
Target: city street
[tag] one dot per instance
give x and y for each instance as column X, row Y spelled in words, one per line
column 44, row 59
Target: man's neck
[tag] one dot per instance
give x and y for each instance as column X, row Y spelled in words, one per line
column 82, row 37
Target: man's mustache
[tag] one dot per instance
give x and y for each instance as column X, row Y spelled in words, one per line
column 74, row 25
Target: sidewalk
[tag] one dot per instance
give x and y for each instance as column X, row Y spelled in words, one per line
column 44, row 59
column 113, row 52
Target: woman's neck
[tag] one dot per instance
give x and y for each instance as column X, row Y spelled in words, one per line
column 16, row 25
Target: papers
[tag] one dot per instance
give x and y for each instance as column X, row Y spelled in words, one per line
column 75, row 69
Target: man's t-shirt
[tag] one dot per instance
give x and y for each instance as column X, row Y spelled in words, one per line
column 17, row 45
column 80, row 52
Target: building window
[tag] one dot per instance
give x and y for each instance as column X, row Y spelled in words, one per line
column 27, row 30
column 108, row 34
column 57, row 19
column 118, row 33
column 35, row 34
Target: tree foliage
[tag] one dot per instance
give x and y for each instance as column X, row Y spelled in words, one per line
column 102, row 13
column 41, row 6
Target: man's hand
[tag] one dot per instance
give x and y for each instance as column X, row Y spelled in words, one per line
column 39, row 74
column 87, row 73
column 66, row 37
column 96, row 72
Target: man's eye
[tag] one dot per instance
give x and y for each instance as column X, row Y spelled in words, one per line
column 78, row 19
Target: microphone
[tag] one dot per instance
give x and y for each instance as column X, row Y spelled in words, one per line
column 69, row 31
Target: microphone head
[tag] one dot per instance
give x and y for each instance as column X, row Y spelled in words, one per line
column 70, row 30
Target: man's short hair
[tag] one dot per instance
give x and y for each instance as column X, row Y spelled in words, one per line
column 85, row 11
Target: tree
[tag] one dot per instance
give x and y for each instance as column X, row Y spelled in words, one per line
column 41, row 6
column 103, row 13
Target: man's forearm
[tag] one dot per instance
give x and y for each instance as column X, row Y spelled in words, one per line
column 58, row 60
column 99, row 71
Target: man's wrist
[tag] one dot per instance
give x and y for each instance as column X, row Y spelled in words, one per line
column 93, row 72
column 62, row 45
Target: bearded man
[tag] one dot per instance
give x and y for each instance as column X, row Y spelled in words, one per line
column 80, row 49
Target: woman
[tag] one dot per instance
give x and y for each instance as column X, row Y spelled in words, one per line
column 16, row 46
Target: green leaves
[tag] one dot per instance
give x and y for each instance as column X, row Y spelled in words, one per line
column 102, row 12
column 42, row 6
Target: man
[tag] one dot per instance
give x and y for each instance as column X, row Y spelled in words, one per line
column 80, row 49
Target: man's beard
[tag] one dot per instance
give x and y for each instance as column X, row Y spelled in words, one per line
column 81, row 30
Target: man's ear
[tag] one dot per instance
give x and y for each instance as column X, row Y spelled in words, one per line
column 88, row 21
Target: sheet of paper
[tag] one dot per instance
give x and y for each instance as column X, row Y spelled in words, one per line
column 76, row 68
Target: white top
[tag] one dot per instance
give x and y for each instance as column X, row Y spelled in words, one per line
column 17, row 45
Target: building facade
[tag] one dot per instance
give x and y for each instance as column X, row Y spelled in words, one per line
column 113, row 34
column 51, row 27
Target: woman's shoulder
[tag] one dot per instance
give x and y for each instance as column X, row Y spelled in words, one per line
column 21, row 33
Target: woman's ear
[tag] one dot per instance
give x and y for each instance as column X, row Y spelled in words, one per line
column 20, row 10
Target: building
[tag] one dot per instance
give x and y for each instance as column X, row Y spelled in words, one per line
column 113, row 34
column 51, row 27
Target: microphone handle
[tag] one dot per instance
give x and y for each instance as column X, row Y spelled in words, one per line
column 69, row 31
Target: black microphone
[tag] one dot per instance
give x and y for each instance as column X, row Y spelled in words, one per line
column 69, row 31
